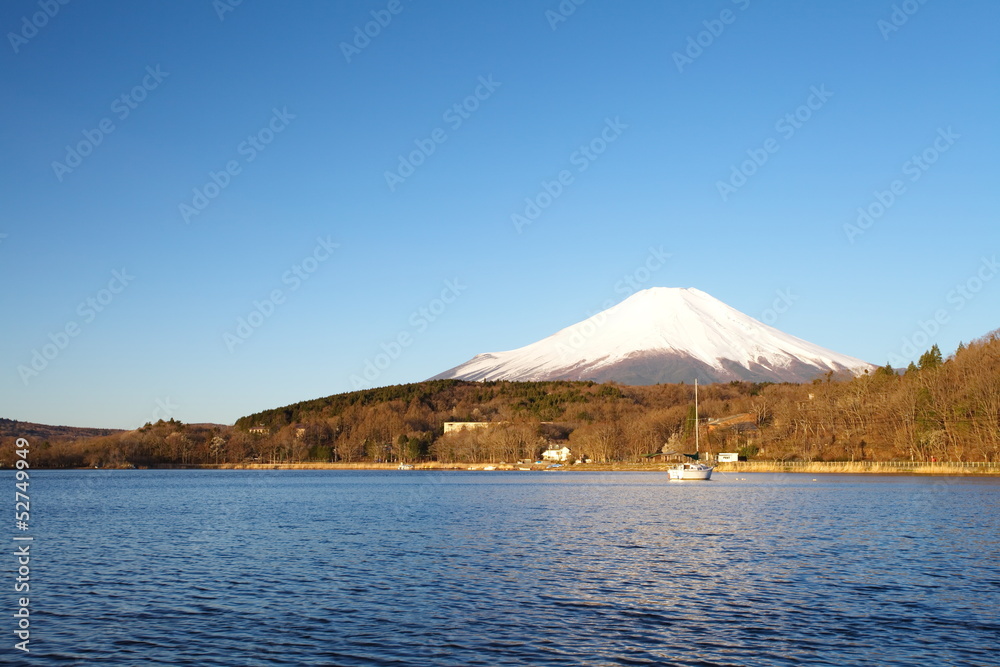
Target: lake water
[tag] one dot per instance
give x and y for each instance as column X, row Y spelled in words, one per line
column 510, row 568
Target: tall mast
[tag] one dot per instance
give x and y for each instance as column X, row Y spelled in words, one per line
column 696, row 449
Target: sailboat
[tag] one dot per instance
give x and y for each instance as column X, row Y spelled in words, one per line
column 695, row 469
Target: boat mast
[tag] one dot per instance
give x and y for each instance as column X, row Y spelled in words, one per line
column 696, row 449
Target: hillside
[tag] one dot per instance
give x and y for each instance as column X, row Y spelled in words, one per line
column 44, row 432
column 948, row 409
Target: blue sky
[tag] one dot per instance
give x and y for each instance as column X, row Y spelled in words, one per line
column 215, row 159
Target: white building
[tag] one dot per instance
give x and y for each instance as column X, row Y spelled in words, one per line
column 561, row 455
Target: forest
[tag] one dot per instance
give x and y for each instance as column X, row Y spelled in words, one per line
column 945, row 409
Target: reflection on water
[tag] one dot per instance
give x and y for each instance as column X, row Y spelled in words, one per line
column 509, row 568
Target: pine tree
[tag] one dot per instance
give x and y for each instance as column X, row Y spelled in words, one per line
column 931, row 358
column 886, row 371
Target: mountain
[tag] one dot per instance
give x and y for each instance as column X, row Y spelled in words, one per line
column 663, row 334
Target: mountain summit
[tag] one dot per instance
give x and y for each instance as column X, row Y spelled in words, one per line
column 662, row 334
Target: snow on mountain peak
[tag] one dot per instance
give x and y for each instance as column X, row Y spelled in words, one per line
column 660, row 332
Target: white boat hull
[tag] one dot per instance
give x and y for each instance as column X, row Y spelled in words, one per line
column 690, row 471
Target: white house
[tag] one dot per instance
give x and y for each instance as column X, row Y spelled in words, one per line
column 561, row 455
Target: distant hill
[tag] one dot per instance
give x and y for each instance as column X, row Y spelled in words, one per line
column 11, row 428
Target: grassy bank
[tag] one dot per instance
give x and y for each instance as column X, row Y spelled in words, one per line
column 810, row 467
column 864, row 467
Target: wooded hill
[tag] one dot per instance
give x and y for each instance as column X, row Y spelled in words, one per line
column 32, row 431
column 944, row 409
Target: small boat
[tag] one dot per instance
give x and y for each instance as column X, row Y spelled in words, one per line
column 405, row 466
column 692, row 470
column 490, row 468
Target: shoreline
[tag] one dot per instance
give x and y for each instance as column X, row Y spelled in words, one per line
column 977, row 469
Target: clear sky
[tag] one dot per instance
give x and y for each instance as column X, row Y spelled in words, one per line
column 171, row 167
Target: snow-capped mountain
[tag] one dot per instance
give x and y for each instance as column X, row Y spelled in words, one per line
column 663, row 334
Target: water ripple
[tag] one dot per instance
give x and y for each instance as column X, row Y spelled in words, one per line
column 422, row 568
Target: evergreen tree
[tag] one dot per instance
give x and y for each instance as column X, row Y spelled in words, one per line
column 931, row 358
column 912, row 368
column 886, row 371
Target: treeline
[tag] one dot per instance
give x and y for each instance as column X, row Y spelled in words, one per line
column 944, row 409
column 166, row 442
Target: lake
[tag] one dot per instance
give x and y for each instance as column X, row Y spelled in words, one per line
column 230, row 567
